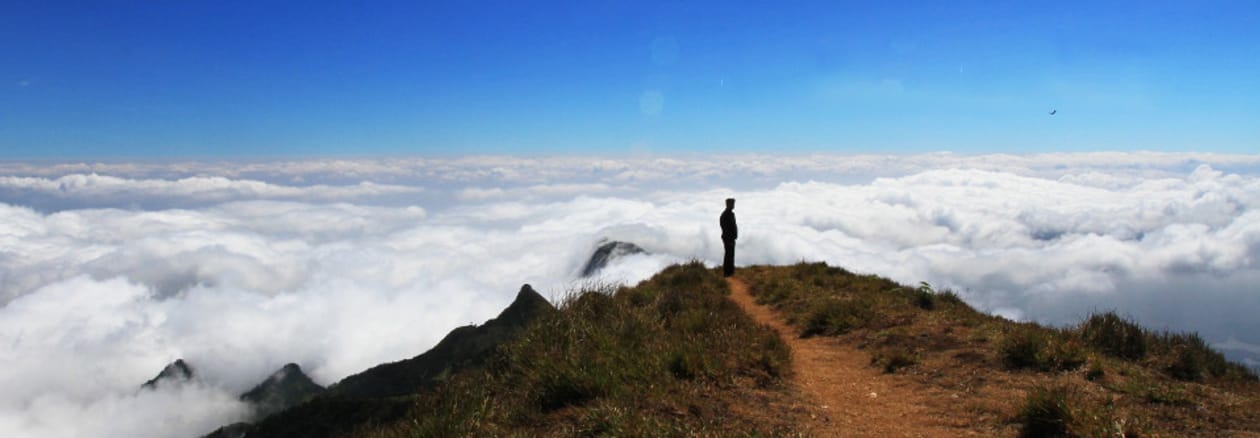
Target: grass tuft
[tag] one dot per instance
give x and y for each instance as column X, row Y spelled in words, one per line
column 1115, row 336
column 1046, row 413
column 893, row 359
column 1030, row 346
column 1061, row 411
column 1095, row 370
column 924, row 296
column 1187, row 357
column 1182, row 356
column 950, row 297
column 834, row 317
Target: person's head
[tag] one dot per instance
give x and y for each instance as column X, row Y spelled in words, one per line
column 730, row 203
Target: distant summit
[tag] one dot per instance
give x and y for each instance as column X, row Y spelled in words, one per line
column 285, row 388
column 175, row 372
column 607, row 252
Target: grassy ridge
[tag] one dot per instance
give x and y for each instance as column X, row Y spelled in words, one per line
column 672, row 356
column 1105, row 376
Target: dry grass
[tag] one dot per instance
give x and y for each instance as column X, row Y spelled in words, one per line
column 1110, row 376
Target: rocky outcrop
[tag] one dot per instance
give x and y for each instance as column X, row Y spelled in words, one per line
column 606, row 252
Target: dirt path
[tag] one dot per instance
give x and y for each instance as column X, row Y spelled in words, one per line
column 850, row 397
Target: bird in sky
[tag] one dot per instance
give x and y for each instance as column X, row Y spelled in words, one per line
column 1053, row 111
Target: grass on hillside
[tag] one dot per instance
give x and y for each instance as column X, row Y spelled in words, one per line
column 671, row 356
column 1105, row 376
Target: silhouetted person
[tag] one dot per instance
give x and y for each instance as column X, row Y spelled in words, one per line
column 730, row 232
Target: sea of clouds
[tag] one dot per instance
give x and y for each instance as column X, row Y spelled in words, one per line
column 110, row 270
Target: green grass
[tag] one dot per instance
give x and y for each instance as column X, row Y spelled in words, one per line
column 835, row 317
column 1061, row 411
column 893, row 358
column 1047, row 412
column 1155, row 391
column 1110, row 334
column 1185, row 356
column 1182, row 356
column 1032, row 346
column 1095, row 371
column 829, row 301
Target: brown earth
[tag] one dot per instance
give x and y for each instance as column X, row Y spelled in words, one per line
column 849, row 397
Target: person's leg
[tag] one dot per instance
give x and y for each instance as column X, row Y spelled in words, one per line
column 728, row 259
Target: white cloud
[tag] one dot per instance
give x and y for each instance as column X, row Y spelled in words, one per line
column 534, row 192
column 242, row 267
column 93, row 189
column 760, row 169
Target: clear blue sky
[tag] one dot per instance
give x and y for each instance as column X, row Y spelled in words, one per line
column 100, row 79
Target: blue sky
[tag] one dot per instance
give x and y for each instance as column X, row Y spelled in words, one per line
column 241, row 79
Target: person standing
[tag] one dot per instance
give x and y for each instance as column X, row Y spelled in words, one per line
column 730, row 232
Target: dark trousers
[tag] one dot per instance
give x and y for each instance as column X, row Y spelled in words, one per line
column 728, row 259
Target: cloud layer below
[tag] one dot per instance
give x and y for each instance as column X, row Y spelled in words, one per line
column 110, row 271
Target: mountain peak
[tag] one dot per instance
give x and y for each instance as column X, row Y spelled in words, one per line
column 527, row 300
column 527, row 292
column 177, row 371
column 286, row 387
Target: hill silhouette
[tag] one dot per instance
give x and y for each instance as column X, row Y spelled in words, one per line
column 806, row 349
column 174, row 372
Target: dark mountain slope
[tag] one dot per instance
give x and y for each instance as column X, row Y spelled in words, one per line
column 379, row 394
column 463, row 347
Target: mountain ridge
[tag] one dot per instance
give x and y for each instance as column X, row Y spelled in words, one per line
column 463, row 347
column 676, row 355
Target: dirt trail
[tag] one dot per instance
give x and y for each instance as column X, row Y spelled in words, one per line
column 850, row 397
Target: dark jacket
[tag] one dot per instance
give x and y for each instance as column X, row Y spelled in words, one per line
column 729, row 230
